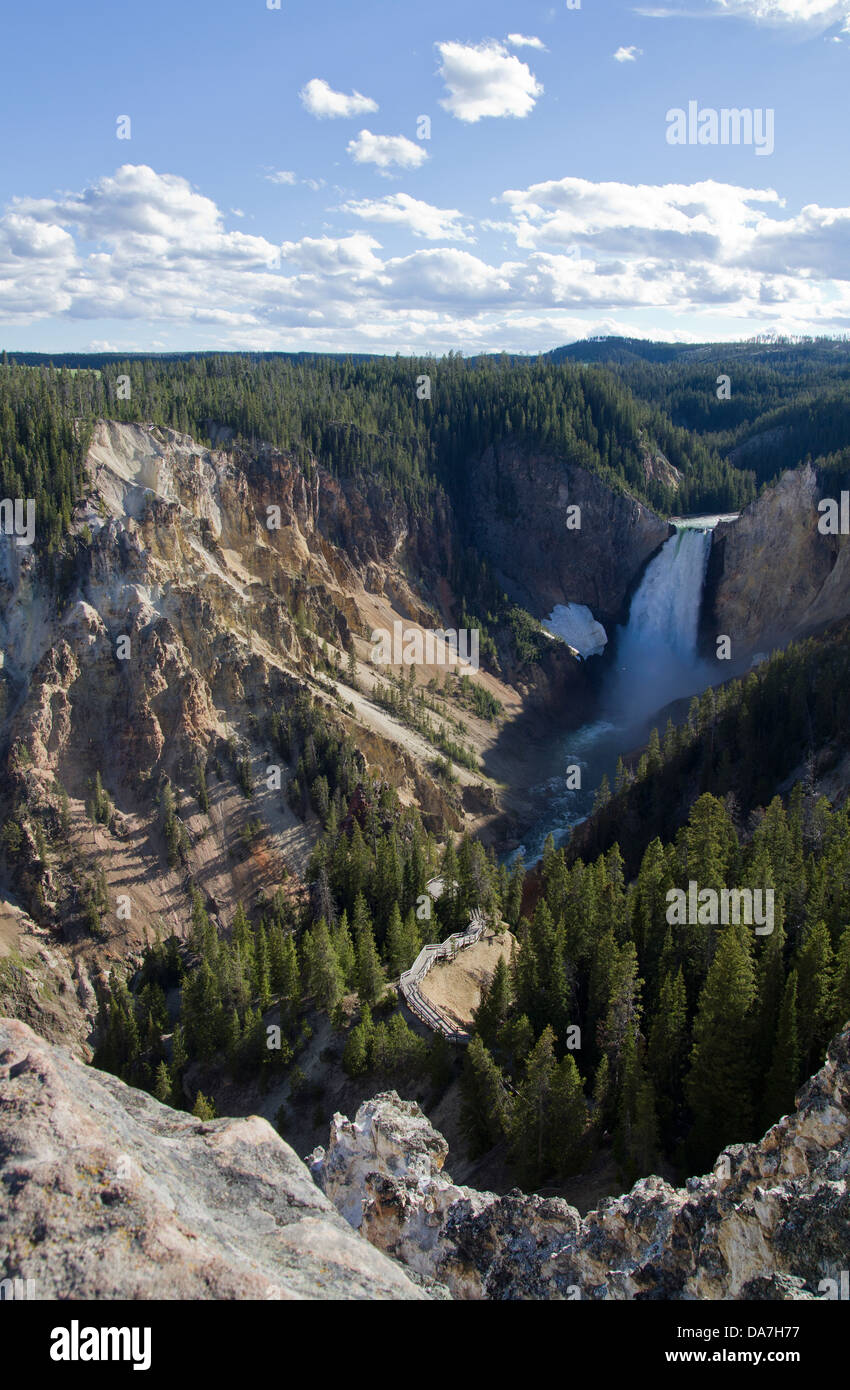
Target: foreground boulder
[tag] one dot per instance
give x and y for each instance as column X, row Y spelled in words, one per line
column 772, row 1221
column 106, row 1194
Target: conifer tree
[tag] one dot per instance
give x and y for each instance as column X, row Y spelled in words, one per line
column 370, row 973
column 492, row 1013
column 325, row 975
column 568, row 1124
column 668, row 1046
column 290, row 989
column 784, row 1074
column 344, row 947
column 815, row 994
column 398, row 957
column 484, row 1100
column 532, row 1112
column 355, row 1054
column 163, row 1085
column 203, row 1109
column 842, row 981
column 636, row 1131
column 718, row 1084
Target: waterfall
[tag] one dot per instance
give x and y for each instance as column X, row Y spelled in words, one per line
column 657, row 650
column 655, row 662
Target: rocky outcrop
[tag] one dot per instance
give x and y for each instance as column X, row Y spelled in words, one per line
column 106, row 1194
column 772, row 576
column 189, row 604
column 772, row 1221
column 519, row 501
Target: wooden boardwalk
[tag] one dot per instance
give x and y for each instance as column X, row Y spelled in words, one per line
column 429, row 955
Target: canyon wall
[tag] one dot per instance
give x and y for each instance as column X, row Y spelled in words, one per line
column 518, row 501
column 772, row 576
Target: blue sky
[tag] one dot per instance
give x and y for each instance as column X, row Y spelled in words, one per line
column 274, row 193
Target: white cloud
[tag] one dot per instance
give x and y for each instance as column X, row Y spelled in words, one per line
column 819, row 14
column 386, row 151
column 332, row 255
column 420, row 218
column 627, row 55
column 282, row 176
column 143, row 253
column 526, row 41
column 321, row 100
column 486, row 80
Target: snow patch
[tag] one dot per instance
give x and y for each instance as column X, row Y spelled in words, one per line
column 578, row 627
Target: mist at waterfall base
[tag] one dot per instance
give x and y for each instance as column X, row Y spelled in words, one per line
column 655, row 661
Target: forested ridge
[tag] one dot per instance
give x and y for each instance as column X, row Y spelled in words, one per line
column 608, row 410
column 362, row 417
column 787, row 401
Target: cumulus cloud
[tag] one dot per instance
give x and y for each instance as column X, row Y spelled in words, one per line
column 486, row 80
column 526, row 41
column 142, row 248
column 386, row 151
column 282, row 176
column 321, row 100
column 416, row 216
column 707, row 219
column 334, row 255
column 627, row 55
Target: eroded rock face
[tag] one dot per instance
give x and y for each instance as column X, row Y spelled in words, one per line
column 777, row 538
column 106, row 1194
column 520, row 525
column 772, row 1221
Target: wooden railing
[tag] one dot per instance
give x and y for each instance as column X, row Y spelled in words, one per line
column 429, row 955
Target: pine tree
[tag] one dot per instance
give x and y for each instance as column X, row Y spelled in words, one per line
column 568, row 1126
column 325, row 975
column 163, row 1086
column 842, row 981
column 232, row 1036
column 718, row 1085
column 344, row 947
column 532, row 1113
column 203, row 1109
column 290, row 990
column 370, row 973
column 492, row 1013
column 815, row 995
column 636, row 1130
column 484, row 1101
column 770, row 975
column 355, row 1054
column 513, row 902
column 784, row 1074
column 668, row 1046
column 397, row 944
